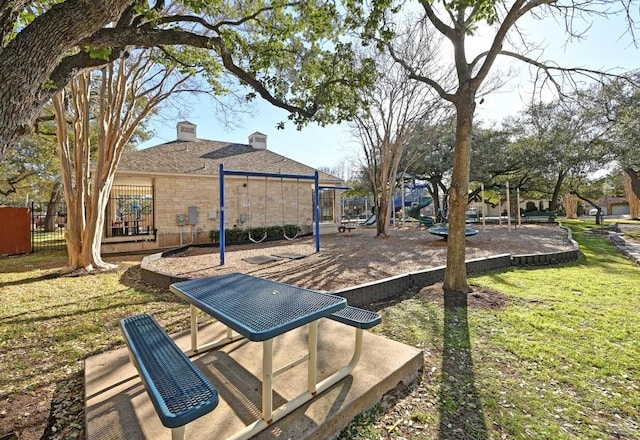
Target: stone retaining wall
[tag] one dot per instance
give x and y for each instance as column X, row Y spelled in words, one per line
column 385, row 289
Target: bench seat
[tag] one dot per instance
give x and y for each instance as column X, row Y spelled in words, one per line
column 179, row 391
column 542, row 215
column 356, row 317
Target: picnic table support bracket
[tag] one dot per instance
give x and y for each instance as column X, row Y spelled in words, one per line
column 177, row 433
column 267, row 381
column 267, row 397
column 289, row 366
column 313, row 358
column 195, row 349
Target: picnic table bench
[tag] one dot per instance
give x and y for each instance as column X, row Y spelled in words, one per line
column 179, row 392
column 355, row 317
column 540, row 215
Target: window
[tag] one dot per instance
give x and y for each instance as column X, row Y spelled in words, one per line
column 130, row 211
column 327, row 205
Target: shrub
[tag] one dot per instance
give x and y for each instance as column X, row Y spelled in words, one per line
column 239, row 236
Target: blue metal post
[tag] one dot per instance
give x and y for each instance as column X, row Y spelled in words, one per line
column 222, row 234
column 317, row 203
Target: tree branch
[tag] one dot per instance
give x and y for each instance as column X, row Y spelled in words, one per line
column 418, row 77
column 166, row 37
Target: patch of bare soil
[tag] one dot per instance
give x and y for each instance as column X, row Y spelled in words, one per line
column 479, row 298
column 347, row 260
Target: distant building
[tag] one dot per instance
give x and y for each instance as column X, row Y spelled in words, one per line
column 169, row 194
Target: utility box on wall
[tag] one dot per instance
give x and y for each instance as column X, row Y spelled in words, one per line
column 181, row 219
column 193, row 215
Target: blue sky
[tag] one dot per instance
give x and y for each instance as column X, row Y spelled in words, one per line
column 605, row 47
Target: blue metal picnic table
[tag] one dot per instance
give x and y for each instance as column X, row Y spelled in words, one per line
column 260, row 310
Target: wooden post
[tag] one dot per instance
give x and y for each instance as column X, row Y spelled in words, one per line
column 483, row 206
column 508, row 209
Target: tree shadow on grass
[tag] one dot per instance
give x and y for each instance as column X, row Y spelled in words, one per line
column 461, row 415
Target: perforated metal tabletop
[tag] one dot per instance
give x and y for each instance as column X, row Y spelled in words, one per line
column 257, row 308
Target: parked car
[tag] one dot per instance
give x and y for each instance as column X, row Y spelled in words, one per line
column 593, row 211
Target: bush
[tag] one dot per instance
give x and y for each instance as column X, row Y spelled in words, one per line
column 241, row 236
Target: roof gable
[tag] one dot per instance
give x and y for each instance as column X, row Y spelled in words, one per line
column 203, row 157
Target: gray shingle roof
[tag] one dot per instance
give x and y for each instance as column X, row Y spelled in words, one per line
column 203, row 157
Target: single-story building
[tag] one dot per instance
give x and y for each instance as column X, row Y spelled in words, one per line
column 613, row 205
column 169, row 195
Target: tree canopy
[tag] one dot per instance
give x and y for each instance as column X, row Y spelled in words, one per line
column 471, row 72
column 291, row 53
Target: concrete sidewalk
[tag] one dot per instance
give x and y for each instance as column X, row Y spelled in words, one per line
column 117, row 406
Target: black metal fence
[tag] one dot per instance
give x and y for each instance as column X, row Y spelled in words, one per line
column 130, row 211
column 48, row 225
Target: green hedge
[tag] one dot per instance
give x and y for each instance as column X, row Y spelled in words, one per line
column 237, row 235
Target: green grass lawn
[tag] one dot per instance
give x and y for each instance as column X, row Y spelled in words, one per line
column 558, row 359
column 49, row 325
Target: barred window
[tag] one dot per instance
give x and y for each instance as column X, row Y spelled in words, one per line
column 130, row 211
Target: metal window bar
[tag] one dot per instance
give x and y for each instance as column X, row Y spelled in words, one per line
column 130, row 211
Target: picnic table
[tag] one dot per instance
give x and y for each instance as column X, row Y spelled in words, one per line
column 260, row 310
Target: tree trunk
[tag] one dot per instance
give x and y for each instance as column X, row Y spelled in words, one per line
column 85, row 193
column 455, row 278
column 635, row 181
column 634, row 201
column 434, row 190
column 28, row 62
column 52, row 205
column 570, row 202
column 553, row 203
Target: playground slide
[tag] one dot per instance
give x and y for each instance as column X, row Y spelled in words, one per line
column 414, row 212
column 370, row 221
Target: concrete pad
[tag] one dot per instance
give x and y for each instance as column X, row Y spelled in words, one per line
column 117, row 405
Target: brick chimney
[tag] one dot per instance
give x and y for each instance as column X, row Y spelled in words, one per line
column 258, row 141
column 186, row 131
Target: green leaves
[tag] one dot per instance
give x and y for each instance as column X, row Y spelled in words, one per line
column 482, row 10
column 100, row 53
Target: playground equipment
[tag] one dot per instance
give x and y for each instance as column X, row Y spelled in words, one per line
column 250, row 217
column 317, row 189
column 443, row 231
column 414, row 212
column 284, row 229
column 370, row 221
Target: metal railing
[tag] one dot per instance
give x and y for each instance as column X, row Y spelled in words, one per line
column 130, row 211
column 48, row 225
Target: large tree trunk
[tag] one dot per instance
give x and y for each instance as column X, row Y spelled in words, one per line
column 455, row 278
column 634, row 201
column 570, row 202
column 553, row 203
column 28, row 63
column 52, row 208
column 634, row 180
column 86, row 194
column 84, row 243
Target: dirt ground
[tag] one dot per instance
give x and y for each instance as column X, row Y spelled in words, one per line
column 347, row 260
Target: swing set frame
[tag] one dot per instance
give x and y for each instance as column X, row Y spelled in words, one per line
column 314, row 177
